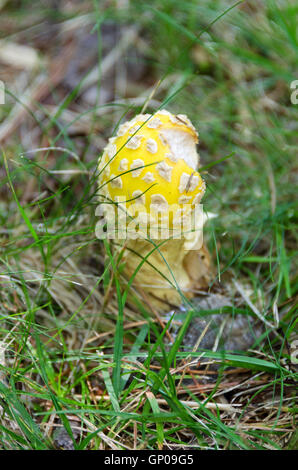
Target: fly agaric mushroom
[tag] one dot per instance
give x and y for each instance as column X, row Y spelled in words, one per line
column 148, row 170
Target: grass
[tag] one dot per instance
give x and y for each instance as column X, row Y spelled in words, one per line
column 80, row 349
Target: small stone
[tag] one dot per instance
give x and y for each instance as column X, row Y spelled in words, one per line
column 62, row 439
column 237, row 332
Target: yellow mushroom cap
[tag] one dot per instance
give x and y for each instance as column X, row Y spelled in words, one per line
column 153, row 161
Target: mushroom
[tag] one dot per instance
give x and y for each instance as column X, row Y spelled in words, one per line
column 149, row 184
